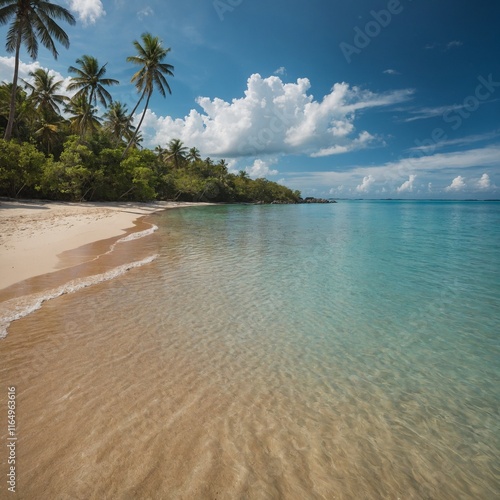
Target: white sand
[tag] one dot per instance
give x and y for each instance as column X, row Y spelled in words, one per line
column 33, row 234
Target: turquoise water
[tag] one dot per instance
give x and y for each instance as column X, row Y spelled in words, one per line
column 394, row 303
column 349, row 350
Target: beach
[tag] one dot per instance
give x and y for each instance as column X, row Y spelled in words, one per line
column 33, row 234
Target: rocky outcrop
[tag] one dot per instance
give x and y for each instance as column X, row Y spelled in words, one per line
column 311, row 199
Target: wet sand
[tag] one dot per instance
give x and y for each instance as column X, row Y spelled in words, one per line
column 33, row 234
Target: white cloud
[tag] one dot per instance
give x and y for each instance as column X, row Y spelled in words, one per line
column 430, row 146
column 407, row 185
column 391, row 72
column 361, row 142
column 367, row 183
column 88, row 11
column 260, row 168
column 7, row 73
column 426, row 113
column 432, row 170
column 274, row 117
column 457, row 184
column 453, row 44
column 7, row 68
column 484, row 182
column 145, row 12
column 281, row 71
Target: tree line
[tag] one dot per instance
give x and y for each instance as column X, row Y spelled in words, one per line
column 58, row 147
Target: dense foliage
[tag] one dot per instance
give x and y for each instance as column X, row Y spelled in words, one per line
column 60, row 148
column 95, row 169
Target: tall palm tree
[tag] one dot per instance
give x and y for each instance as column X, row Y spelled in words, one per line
column 177, row 151
column 31, row 20
column 116, row 122
column 90, row 81
column 44, row 94
column 83, row 119
column 150, row 56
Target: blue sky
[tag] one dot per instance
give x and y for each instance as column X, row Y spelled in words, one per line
column 357, row 99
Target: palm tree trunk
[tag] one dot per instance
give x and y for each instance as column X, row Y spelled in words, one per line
column 136, row 131
column 12, row 108
column 136, row 106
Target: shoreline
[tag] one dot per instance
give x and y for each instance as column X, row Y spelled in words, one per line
column 34, row 234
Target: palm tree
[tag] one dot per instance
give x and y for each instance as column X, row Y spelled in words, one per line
column 193, row 155
column 83, row 117
column 49, row 133
column 90, row 81
column 150, row 56
column 117, row 122
column 135, row 141
column 30, row 20
column 44, row 94
column 177, row 151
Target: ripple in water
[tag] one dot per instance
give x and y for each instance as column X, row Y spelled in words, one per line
column 344, row 351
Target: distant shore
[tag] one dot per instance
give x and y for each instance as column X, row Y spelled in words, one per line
column 34, row 233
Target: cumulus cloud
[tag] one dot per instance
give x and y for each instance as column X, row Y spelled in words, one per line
column 7, row 73
column 88, row 11
column 274, row 117
column 367, row 183
column 7, row 69
column 484, row 182
column 433, row 170
column 407, row 185
column 260, row 168
column 457, row 184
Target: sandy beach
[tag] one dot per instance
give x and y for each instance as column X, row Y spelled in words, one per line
column 33, row 234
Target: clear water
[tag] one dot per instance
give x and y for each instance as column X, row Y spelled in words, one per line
column 330, row 351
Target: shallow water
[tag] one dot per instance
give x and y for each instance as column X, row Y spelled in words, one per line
column 333, row 351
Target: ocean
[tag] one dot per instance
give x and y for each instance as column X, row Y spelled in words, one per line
column 346, row 351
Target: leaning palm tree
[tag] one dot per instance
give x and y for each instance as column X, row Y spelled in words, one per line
column 31, row 20
column 44, row 93
column 116, row 122
column 90, row 81
column 150, row 56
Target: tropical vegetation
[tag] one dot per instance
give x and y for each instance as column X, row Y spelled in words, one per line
column 86, row 147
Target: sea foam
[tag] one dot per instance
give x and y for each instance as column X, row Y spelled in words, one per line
column 19, row 307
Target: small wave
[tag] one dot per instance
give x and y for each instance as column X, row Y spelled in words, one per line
column 19, row 307
column 130, row 237
column 138, row 234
